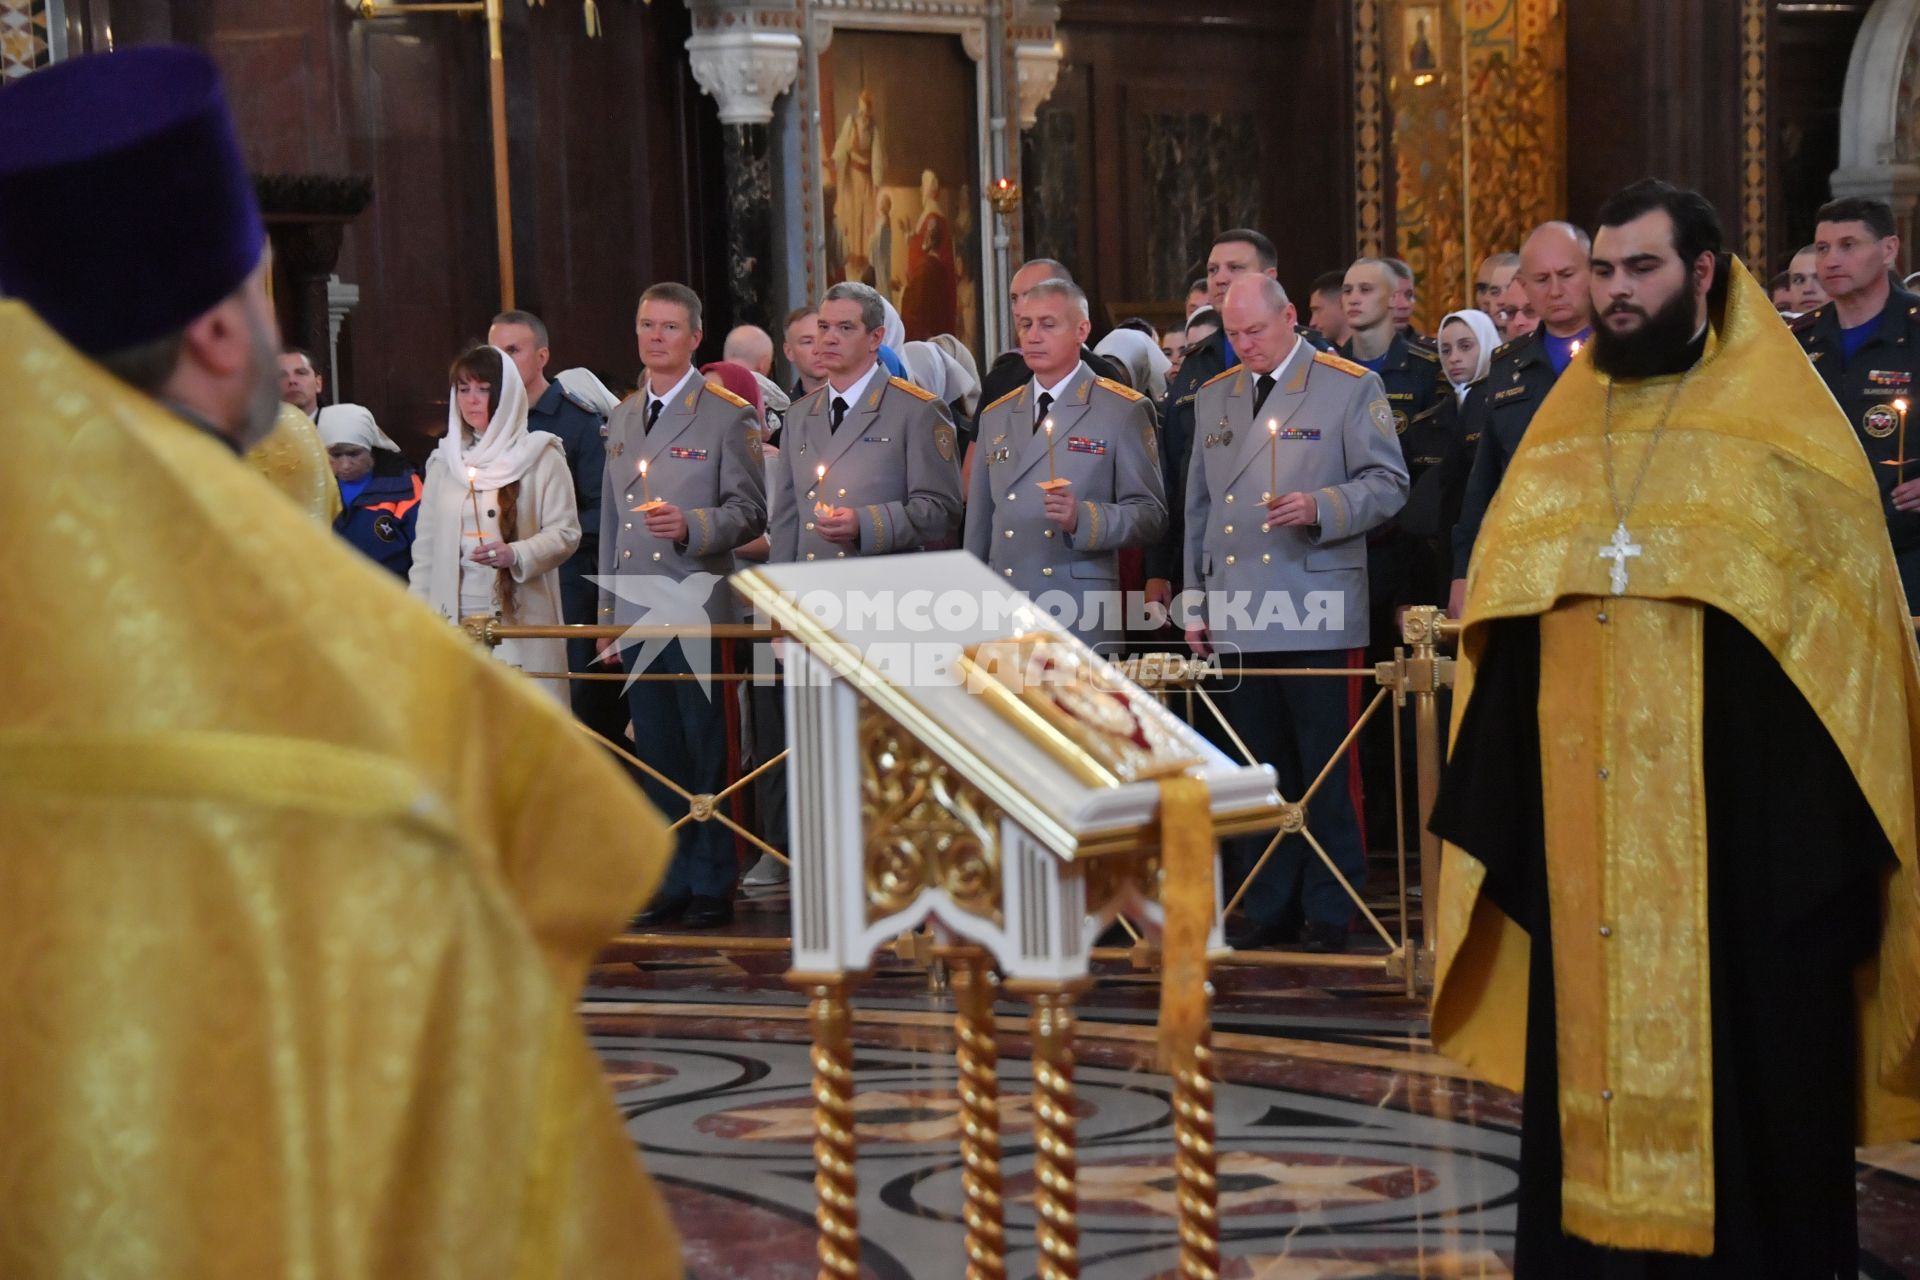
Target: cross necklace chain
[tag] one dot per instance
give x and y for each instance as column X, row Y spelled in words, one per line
column 1622, row 548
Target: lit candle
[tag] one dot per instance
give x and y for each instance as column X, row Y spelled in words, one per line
column 1049, row 430
column 1900, row 451
column 646, row 491
column 820, row 504
column 1574, row 350
column 474, row 497
column 1273, row 458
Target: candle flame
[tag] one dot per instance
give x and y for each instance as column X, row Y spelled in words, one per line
column 1047, row 426
column 1575, row 349
column 820, row 472
column 472, row 472
column 643, row 466
column 1901, row 405
column 1273, row 428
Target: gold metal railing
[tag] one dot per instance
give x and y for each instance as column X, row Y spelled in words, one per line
column 1417, row 672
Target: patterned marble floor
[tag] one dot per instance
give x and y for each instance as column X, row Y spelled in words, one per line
column 1348, row 1148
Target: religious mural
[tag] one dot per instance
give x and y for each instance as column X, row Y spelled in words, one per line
column 899, row 158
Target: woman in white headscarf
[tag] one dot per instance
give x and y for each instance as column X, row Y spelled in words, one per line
column 969, row 397
column 932, row 367
column 1145, row 362
column 586, row 385
column 379, row 492
column 498, row 517
column 1467, row 340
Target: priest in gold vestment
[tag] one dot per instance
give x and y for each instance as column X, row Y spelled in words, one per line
column 1679, row 906
column 297, row 889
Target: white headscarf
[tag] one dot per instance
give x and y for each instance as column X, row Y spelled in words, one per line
column 507, row 450
column 586, row 386
column 968, row 392
column 1146, row 363
column 932, row 367
column 894, row 334
column 1488, row 337
column 773, row 396
column 353, row 424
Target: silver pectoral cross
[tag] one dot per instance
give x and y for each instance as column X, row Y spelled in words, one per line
column 1620, row 550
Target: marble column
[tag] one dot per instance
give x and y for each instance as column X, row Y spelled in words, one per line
column 1879, row 135
column 744, row 70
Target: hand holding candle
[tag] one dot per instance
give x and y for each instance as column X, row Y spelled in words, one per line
column 647, row 502
column 473, row 496
column 1052, row 481
column 1900, row 446
column 820, row 504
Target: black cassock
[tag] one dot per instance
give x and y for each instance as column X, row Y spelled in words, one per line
column 1794, row 864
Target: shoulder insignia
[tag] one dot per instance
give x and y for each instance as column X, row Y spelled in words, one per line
column 1503, row 348
column 943, row 441
column 727, row 395
column 1222, row 377
column 1807, row 319
column 1120, row 389
column 1341, row 363
column 566, row 393
column 1003, row 399
column 917, row 392
column 1423, row 351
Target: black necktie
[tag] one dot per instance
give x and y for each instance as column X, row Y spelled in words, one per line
column 1262, row 388
column 839, row 412
column 653, row 412
column 1042, row 407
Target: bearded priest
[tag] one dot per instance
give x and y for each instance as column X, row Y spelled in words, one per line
column 1678, row 902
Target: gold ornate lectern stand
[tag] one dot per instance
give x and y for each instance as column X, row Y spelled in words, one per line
column 975, row 768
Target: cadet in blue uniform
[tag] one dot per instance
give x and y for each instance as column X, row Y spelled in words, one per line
column 552, row 408
column 1863, row 345
column 379, row 492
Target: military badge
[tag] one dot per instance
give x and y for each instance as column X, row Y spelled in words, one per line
column 687, row 455
column 1146, row 434
column 386, row 528
column 613, row 450
column 1085, row 444
column 1880, row 421
column 1399, row 423
column 1898, row 379
column 754, row 445
column 943, row 441
column 1226, row 438
column 1383, row 418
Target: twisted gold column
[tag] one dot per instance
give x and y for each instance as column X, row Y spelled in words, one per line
column 978, row 1055
column 1196, row 1165
column 1056, row 1152
column 835, row 1187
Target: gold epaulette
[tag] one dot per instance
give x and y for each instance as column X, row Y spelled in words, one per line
column 1341, row 363
column 1424, row 352
column 917, row 392
column 727, row 395
column 1003, row 399
column 1120, row 389
column 1218, row 377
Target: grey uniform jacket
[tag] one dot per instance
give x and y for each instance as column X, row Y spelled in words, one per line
column 1297, row 588
column 703, row 456
column 892, row 462
column 1103, row 441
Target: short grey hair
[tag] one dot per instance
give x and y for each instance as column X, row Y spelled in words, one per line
column 1399, row 268
column 1501, row 261
column 1059, row 288
column 873, row 312
column 1579, row 234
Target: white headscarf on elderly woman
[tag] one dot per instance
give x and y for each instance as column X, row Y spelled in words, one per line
column 934, row 369
column 353, row 424
column 1485, row 337
column 893, row 332
column 586, row 384
column 1146, row 363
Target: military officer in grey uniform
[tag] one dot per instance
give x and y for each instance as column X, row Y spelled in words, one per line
column 867, row 464
column 1294, row 458
column 1065, row 539
column 701, row 448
